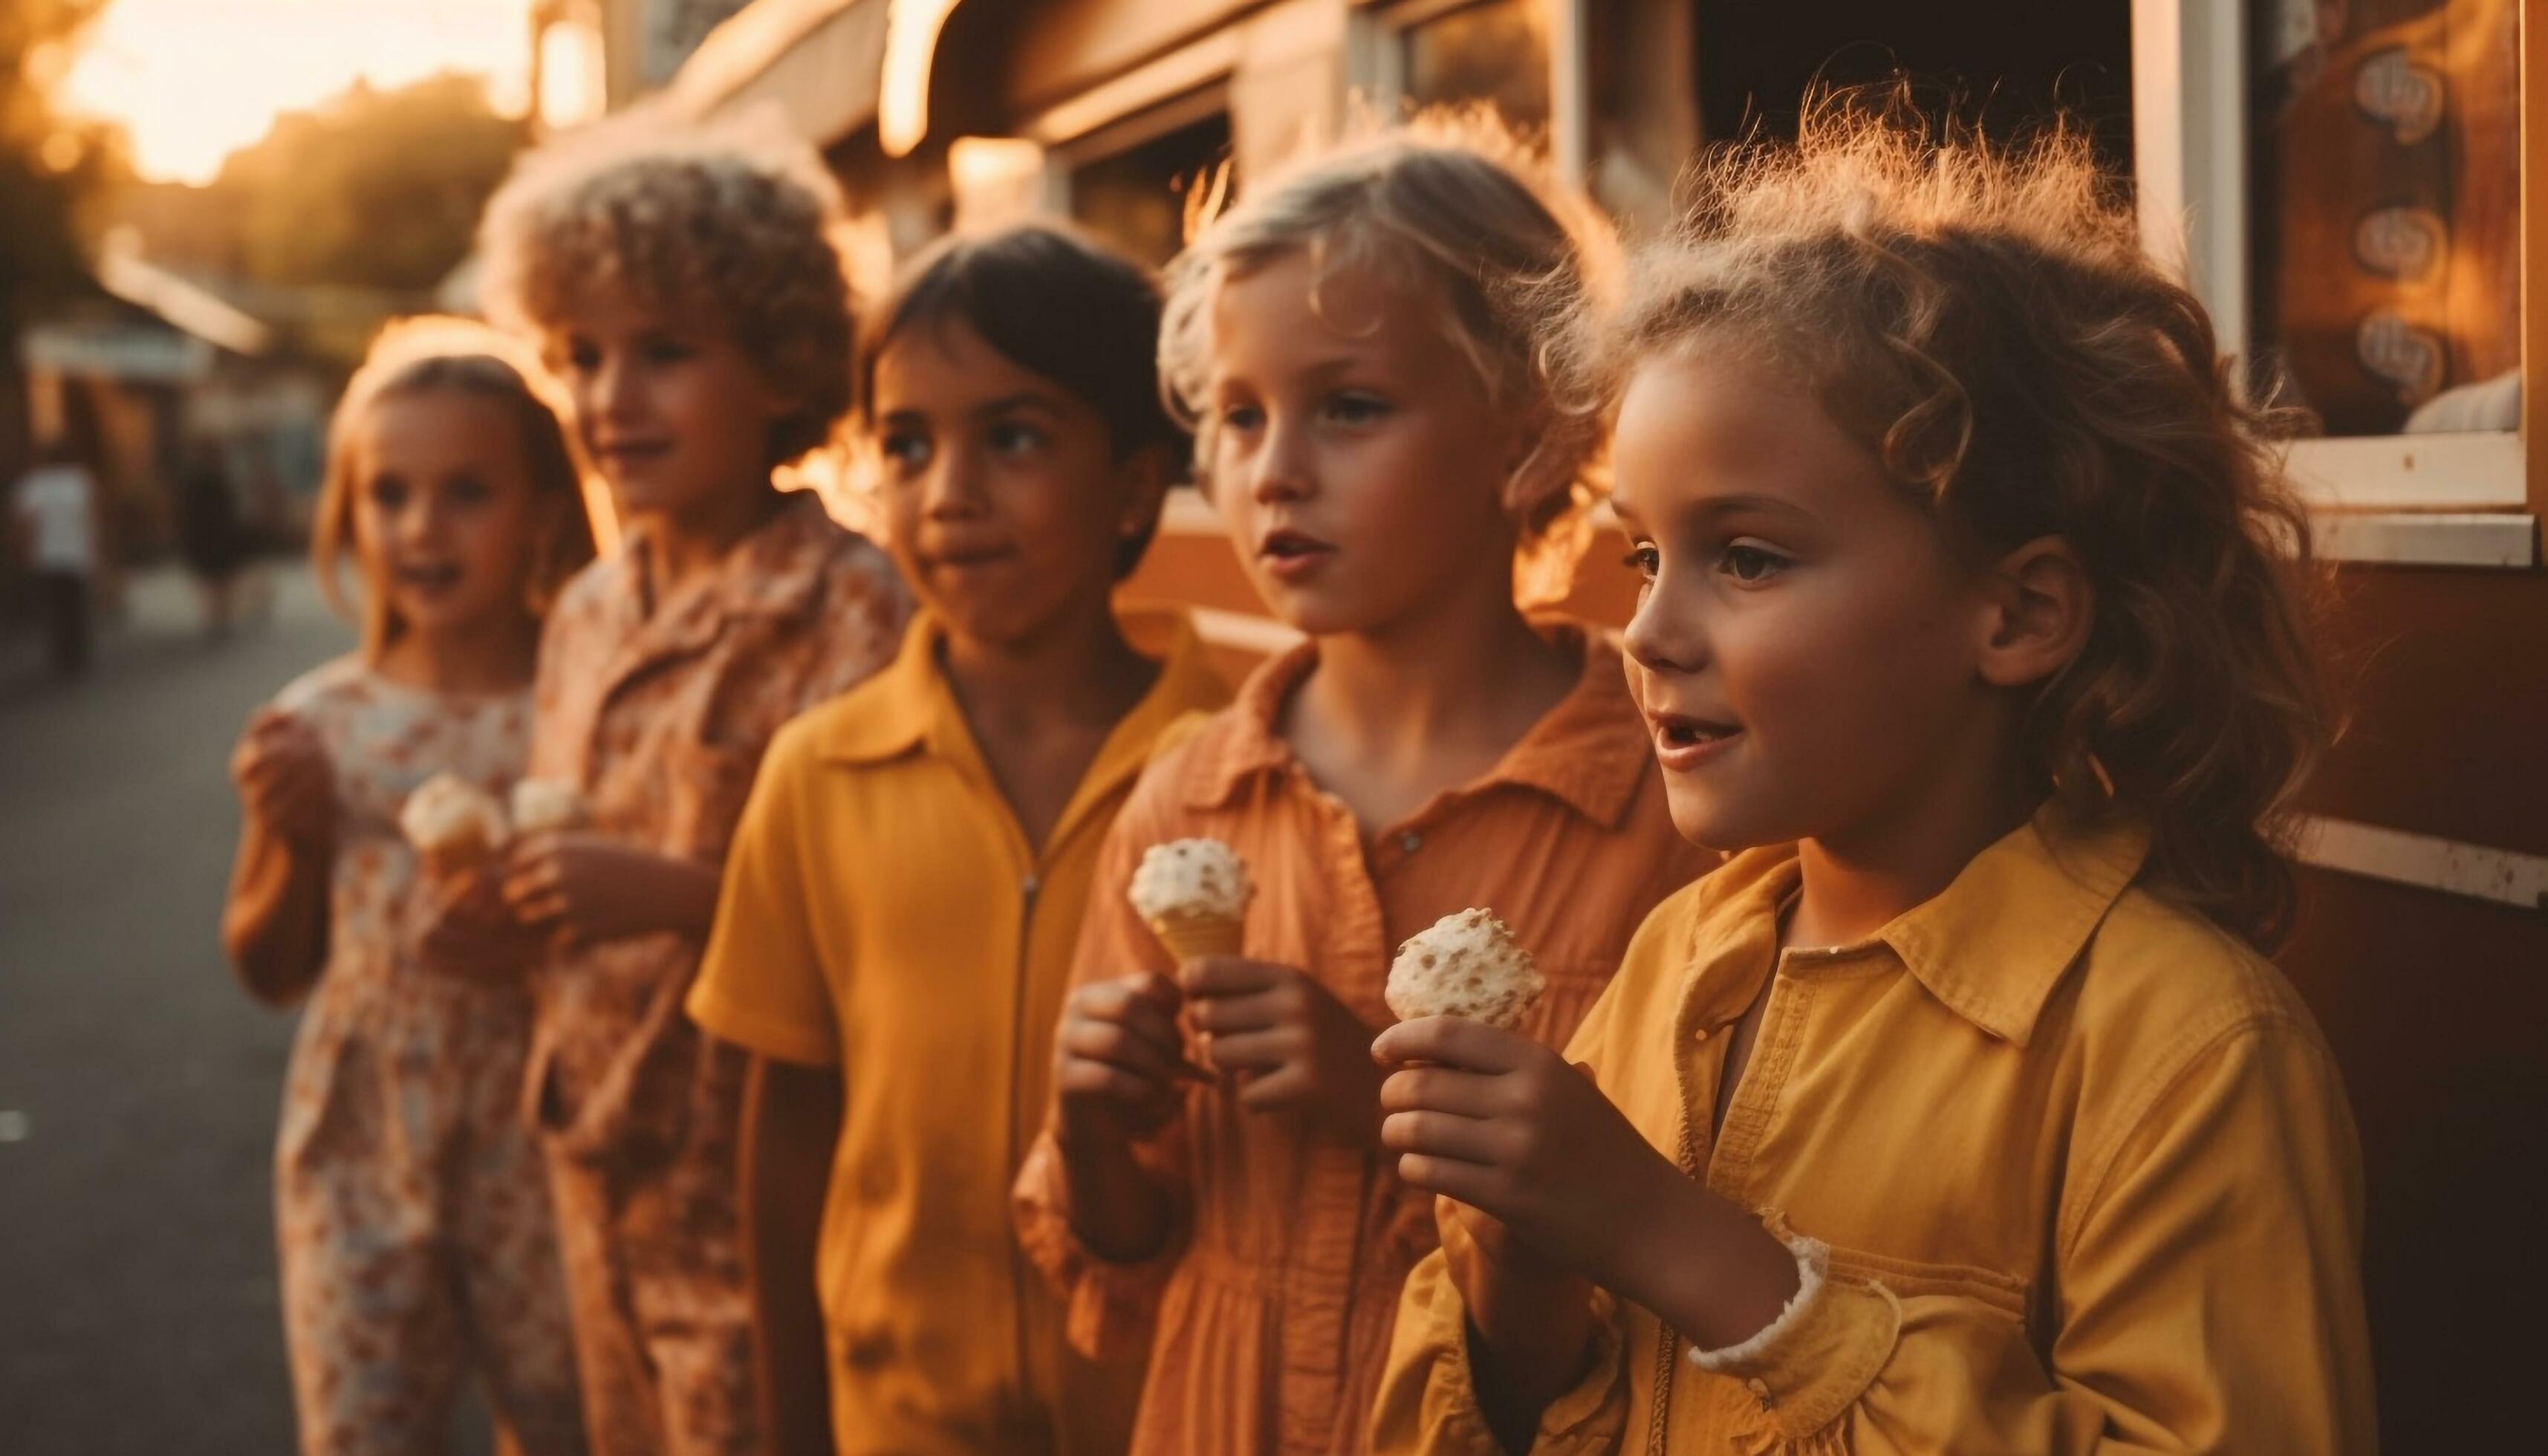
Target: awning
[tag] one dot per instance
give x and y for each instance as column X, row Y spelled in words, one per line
column 818, row 61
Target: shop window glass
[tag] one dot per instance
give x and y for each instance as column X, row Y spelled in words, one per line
column 1495, row 51
column 2384, row 215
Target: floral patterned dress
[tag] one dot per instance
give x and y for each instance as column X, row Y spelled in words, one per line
column 418, row 1245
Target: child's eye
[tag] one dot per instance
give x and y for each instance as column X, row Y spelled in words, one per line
column 667, row 351
column 469, row 489
column 387, row 493
column 1013, row 440
column 1241, row 416
column 1645, row 560
column 1357, row 408
column 1750, row 565
column 583, row 357
column 907, row 449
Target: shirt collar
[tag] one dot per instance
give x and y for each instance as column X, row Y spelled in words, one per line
column 771, row 571
column 1588, row 752
column 908, row 706
column 1991, row 946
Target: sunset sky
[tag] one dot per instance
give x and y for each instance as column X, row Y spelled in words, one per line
column 195, row 80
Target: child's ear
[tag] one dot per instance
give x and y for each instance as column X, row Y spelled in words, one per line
column 1146, row 475
column 2043, row 606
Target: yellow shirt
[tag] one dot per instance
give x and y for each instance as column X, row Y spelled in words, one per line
column 2075, row 1165
column 884, row 913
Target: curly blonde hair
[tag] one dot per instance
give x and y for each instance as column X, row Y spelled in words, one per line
column 424, row 354
column 723, row 225
column 1985, row 321
column 1454, row 205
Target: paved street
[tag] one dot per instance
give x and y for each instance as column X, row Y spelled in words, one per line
column 137, row 1083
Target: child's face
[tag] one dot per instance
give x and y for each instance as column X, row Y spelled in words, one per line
column 676, row 416
column 1005, row 505
column 445, row 517
column 1356, row 457
column 1807, row 648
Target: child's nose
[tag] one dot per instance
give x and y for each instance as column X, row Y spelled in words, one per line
column 1664, row 636
column 953, row 488
column 1281, row 470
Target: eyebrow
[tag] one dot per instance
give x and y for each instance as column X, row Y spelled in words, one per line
column 1720, row 505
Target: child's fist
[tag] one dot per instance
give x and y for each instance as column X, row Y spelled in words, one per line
column 1117, row 1058
column 284, row 779
column 1290, row 1042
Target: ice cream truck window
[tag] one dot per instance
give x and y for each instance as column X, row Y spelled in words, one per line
column 2344, row 177
column 1496, row 50
column 2384, row 185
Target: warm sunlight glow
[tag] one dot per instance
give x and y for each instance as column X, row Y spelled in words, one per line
column 910, row 43
column 195, row 81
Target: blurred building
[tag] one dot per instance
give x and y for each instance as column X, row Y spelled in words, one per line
column 137, row 373
column 2343, row 183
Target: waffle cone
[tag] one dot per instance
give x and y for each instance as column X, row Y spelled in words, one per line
column 1188, row 936
column 458, row 857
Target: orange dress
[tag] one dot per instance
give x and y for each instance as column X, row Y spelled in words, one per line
column 1268, row 1314
column 659, row 706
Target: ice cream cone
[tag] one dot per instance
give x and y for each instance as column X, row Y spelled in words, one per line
column 1189, row 937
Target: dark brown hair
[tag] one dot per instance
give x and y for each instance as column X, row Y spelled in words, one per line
column 1053, row 302
column 1985, row 321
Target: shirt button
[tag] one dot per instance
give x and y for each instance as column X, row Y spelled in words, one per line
column 1411, row 841
column 1699, row 1035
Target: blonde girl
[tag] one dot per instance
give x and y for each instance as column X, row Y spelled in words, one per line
column 1370, row 423
column 417, row 1244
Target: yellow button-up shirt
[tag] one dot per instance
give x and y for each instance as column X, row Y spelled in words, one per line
column 884, row 913
column 2075, row 1165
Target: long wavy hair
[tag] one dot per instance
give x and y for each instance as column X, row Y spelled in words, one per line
column 1984, row 319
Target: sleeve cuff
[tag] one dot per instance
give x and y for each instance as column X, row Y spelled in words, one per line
column 765, row 1036
column 1813, row 1363
column 1110, row 1309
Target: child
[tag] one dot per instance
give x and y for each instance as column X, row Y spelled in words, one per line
column 908, row 881
column 1368, row 417
column 416, row 1242
column 693, row 300
column 1962, row 1111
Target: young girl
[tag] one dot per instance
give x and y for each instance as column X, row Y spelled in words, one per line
column 1962, row 1110
column 1369, row 423
column 691, row 296
column 908, row 881
column 416, row 1242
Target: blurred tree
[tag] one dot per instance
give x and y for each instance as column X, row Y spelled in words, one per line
column 52, row 169
column 374, row 189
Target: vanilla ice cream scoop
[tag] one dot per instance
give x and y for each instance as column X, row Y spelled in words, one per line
column 1193, row 894
column 1200, row 878
column 1466, row 964
column 543, row 804
column 453, row 823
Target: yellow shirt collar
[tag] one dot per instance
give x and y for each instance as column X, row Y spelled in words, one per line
column 1991, row 946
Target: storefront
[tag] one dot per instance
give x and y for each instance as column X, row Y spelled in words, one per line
column 2344, row 180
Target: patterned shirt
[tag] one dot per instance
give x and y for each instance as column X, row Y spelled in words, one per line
column 660, row 718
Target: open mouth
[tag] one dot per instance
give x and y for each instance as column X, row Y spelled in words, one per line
column 1290, row 553
column 1682, row 740
column 429, row 577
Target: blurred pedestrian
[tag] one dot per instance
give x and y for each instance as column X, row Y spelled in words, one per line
column 417, row 1246
column 213, row 538
column 693, row 293
column 55, row 506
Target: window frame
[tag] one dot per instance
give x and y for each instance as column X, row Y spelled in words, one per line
column 2190, row 138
